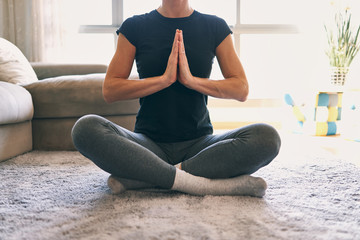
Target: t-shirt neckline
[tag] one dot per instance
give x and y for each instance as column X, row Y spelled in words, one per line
column 193, row 14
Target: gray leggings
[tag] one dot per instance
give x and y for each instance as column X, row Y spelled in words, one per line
column 130, row 155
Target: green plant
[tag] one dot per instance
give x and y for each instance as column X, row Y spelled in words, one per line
column 343, row 45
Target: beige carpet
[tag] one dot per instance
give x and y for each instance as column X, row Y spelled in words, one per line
column 61, row 195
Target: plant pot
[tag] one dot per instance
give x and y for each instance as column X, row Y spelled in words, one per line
column 338, row 75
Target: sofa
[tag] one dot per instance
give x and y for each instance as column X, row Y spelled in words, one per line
column 40, row 102
column 16, row 112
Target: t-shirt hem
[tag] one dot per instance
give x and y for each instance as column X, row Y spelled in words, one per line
column 174, row 139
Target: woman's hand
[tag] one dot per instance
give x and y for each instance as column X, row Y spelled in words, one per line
column 170, row 74
column 178, row 66
column 234, row 86
column 117, row 85
column 184, row 75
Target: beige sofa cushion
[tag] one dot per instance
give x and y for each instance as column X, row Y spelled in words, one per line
column 15, row 104
column 15, row 139
column 50, row 70
column 14, row 67
column 75, row 96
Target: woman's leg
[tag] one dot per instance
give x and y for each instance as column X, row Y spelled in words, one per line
column 122, row 153
column 127, row 156
column 238, row 152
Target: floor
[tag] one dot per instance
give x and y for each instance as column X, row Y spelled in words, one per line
column 62, row 195
column 332, row 146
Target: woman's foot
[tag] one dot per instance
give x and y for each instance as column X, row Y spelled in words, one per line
column 119, row 185
column 242, row 185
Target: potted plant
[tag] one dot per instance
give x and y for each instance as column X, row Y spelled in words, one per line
column 343, row 45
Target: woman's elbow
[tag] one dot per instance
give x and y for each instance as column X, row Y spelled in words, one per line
column 106, row 98
column 242, row 98
column 107, row 95
column 243, row 93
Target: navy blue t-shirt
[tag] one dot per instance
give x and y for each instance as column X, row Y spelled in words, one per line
column 176, row 113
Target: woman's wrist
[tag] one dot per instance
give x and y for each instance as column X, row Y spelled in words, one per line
column 165, row 80
column 191, row 82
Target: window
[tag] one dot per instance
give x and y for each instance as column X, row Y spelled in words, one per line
column 136, row 7
column 273, row 63
column 225, row 10
column 269, row 12
column 268, row 36
column 85, row 44
column 88, row 12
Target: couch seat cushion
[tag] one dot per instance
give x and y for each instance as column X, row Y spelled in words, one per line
column 15, row 104
column 75, row 96
column 14, row 67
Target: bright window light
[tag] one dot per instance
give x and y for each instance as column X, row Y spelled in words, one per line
column 87, row 48
column 274, row 63
column 225, row 10
column 136, row 7
column 86, row 12
column 270, row 11
column 275, row 60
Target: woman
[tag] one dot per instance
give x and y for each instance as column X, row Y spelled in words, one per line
column 174, row 47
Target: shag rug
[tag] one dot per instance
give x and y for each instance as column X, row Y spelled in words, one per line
column 62, row 195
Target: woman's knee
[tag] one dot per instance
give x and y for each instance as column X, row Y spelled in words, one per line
column 269, row 139
column 83, row 129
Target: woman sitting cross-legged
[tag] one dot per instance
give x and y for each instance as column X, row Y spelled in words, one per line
column 173, row 145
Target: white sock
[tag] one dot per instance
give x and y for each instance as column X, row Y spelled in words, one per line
column 242, row 185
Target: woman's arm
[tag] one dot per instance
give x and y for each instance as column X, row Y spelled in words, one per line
column 117, row 85
column 234, row 86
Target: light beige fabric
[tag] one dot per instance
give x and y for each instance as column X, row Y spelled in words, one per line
column 15, row 139
column 54, row 134
column 14, row 67
column 60, row 101
column 50, row 70
column 75, row 96
column 15, row 104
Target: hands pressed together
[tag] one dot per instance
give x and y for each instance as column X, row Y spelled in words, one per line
column 117, row 85
column 178, row 66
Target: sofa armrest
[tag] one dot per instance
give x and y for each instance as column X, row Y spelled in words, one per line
column 48, row 70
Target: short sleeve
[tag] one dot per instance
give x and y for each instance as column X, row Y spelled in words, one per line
column 129, row 30
column 222, row 30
